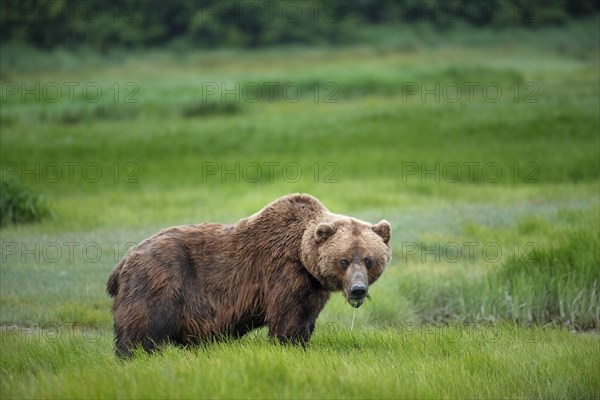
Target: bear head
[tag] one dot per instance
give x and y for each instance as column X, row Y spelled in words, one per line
column 345, row 254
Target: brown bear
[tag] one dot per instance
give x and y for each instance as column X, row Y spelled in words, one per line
column 275, row 268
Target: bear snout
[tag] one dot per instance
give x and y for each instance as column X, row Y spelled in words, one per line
column 357, row 287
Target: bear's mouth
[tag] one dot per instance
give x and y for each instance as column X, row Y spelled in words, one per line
column 356, row 301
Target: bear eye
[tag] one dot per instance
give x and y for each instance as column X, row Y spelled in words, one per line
column 368, row 262
column 344, row 263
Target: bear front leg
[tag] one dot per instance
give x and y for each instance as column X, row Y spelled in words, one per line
column 291, row 329
column 291, row 316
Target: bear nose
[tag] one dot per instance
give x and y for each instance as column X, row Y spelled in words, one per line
column 358, row 290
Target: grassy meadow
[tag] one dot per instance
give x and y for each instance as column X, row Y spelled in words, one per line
column 483, row 155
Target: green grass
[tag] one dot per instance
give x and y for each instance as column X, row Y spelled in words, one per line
column 427, row 362
column 115, row 173
column 532, row 282
column 560, row 283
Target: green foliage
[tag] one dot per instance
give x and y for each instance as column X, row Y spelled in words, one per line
column 19, row 204
column 102, row 25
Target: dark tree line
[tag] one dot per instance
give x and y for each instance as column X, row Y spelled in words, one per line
column 102, row 24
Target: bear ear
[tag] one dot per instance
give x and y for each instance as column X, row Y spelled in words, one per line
column 323, row 232
column 383, row 229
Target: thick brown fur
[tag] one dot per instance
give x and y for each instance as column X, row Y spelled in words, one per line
column 276, row 268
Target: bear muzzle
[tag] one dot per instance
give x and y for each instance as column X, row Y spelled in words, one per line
column 358, row 293
column 357, row 287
